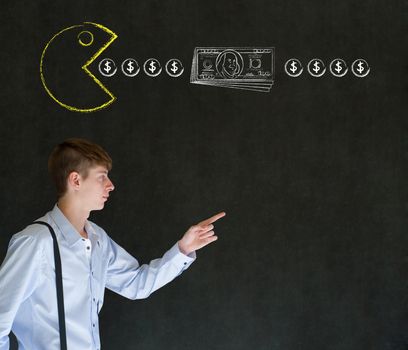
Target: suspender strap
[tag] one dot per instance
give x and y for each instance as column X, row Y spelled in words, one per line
column 58, row 282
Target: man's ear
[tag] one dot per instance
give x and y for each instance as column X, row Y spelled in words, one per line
column 74, row 180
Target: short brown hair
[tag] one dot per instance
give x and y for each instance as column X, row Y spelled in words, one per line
column 78, row 155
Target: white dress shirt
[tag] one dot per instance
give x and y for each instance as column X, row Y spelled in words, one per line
column 28, row 301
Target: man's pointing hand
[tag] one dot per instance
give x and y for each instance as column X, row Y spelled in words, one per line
column 199, row 235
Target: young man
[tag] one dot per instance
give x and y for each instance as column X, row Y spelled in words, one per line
column 90, row 259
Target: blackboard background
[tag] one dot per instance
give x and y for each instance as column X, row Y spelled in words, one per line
column 313, row 251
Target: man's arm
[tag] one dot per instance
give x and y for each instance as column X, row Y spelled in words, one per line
column 126, row 277
column 19, row 275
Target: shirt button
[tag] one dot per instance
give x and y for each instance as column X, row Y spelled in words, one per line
column 83, row 239
column 93, row 299
column 185, row 263
column 93, row 325
column 88, row 247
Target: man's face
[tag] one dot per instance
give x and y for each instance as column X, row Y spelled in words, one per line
column 230, row 63
column 94, row 190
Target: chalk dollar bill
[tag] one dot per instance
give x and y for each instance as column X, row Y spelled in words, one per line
column 248, row 68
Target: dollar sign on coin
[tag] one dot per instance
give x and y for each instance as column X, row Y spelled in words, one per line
column 107, row 67
column 316, row 67
column 338, row 67
column 293, row 67
column 152, row 67
column 130, row 67
column 360, row 68
column 174, row 67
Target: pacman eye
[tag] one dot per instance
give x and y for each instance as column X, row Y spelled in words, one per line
column 85, row 38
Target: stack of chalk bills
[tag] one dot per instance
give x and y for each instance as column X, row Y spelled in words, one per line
column 246, row 68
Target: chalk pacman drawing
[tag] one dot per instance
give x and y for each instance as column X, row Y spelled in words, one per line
column 65, row 67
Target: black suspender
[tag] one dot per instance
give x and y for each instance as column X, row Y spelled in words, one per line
column 58, row 282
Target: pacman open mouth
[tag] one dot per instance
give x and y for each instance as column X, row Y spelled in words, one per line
column 59, row 87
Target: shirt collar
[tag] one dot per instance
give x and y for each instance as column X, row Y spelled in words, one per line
column 90, row 230
column 68, row 231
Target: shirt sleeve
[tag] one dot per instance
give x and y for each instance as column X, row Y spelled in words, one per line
column 126, row 277
column 19, row 275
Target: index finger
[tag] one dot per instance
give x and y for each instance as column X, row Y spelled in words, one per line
column 212, row 219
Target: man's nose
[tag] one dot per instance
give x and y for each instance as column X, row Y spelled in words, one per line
column 111, row 187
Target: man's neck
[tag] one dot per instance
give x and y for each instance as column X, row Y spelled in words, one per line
column 75, row 216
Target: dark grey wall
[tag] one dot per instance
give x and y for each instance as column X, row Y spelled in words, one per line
column 312, row 253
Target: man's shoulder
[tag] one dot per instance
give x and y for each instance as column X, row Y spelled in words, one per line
column 37, row 233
